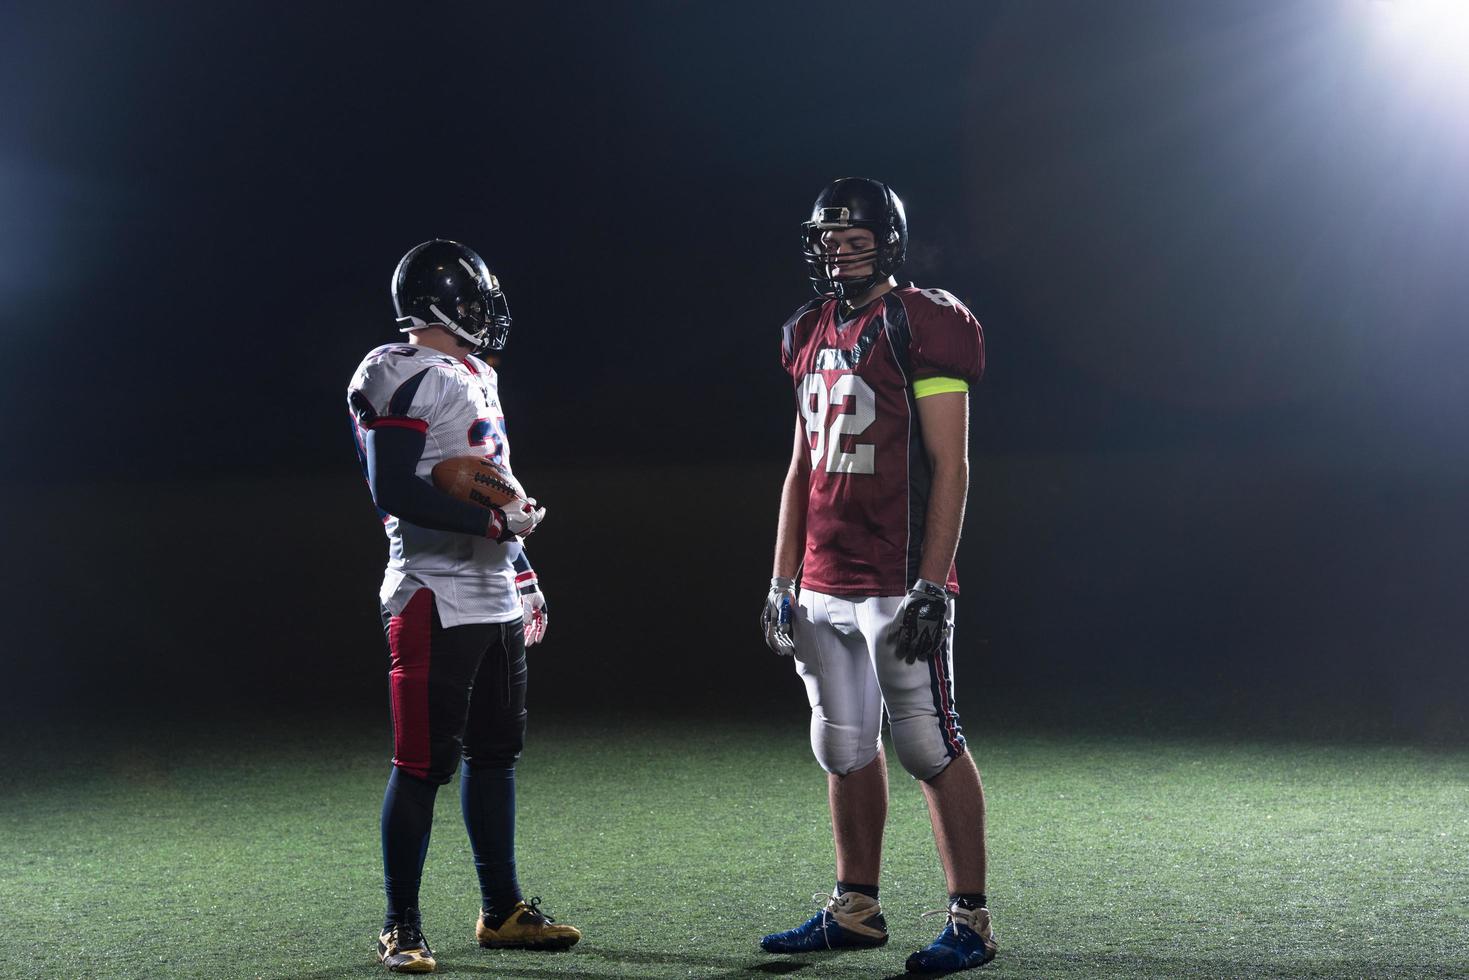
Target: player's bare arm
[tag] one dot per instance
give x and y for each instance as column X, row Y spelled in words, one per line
column 944, row 419
column 924, row 620
column 777, row 619
column 790, row 530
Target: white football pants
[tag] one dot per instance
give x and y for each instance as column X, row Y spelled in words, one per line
column 846, row 653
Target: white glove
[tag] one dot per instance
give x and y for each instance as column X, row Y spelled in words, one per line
column 533, row 611
column 522, row 516
column 778, row 620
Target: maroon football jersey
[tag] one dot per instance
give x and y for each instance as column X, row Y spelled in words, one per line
column 870, row 476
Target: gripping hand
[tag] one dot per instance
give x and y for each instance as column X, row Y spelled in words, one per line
column 778, row 619
column 522, row 516
column 923, row 621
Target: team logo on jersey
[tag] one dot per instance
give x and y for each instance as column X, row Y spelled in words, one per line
column 832, row 359
column 837, row 359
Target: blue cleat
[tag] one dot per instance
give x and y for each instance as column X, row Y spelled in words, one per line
column 847, row 921
column 967, row 941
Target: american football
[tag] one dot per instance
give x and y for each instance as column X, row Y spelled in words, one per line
column 477, row 480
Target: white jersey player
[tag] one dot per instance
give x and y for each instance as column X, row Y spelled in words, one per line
column 460, row 602
column 455, row 403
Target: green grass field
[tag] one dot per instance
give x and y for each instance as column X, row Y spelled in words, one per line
column 254, row 854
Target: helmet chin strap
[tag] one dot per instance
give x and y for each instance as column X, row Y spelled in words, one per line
column 849, row 290
column 455, row 329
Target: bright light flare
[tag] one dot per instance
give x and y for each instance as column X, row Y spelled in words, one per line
column 1430, row 35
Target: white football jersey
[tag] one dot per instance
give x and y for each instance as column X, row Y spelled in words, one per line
column 456, row 404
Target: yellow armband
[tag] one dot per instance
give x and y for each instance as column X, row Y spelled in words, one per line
column 924, row 387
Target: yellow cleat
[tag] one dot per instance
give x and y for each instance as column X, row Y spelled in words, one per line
column 526, row 928
column 402, row 949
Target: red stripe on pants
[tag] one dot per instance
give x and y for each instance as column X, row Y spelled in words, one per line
column 946, row 703
column 408, row 646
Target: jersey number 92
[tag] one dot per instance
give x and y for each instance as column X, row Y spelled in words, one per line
column 856, row 409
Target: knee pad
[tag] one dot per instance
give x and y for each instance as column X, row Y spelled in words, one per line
column 499, row 746
column 443, row 761
column 841, row 749
column 924, row 748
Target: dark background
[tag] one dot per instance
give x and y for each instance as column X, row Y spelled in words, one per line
column 1219, row 252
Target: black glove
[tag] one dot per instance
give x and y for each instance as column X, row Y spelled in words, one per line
column 923, row 621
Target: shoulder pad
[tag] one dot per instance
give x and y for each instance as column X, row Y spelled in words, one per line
column 395, row 350
column 943, row 337
column 787, row 342
column 479, row 366
column 389, row 375
column 803, row 309
column 938, row 297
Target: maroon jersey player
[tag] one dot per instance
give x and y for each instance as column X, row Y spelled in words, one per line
column 869, row 521
column 855, row 372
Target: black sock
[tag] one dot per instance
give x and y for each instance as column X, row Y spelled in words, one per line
column 487, row 797
column 969, row 901
column 845, row 886
column 408, row 816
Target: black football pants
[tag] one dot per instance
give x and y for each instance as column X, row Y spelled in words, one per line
column 455, row 692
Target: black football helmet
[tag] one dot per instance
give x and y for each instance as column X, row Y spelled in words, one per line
column 855, row 202
column 445, row 284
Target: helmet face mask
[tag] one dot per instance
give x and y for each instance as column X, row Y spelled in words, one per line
column 846, row 204
column 850, row 255
column 445, row 284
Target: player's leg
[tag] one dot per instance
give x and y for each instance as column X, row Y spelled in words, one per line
column 859, row 807
column 846, row 720
column 494, row 735
column 846, row 724
column 430, row 669
column 957, row 811
column 493, row 738
column 930, row 744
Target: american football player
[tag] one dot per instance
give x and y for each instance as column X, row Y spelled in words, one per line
column 460, row 600
column 869, row 523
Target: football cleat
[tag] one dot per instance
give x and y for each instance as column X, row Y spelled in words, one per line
column 526, row 928
column 967, row 941
column 402, row 949
column 850, row 920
